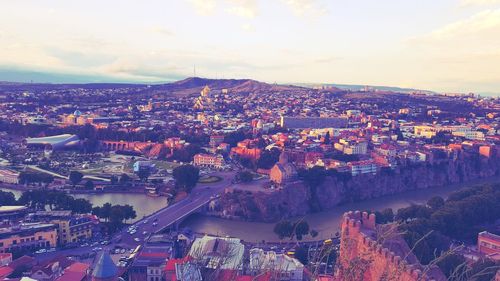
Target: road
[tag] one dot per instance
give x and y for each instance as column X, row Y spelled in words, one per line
column 164, row 218
column 168, row 216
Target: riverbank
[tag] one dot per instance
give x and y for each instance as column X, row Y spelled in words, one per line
column 21, row 187
column 326, row 223
column 143, row 204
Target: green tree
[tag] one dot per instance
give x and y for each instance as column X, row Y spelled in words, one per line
column 314, row 177
column 283, row 229
column 186, row 177
column 75, row 177
column 327, row 138
column 89, row 184
column 244, row 176
column 413, row 212
column 435, row 202
column 453, row 265
column 144, row 174
column 268, row 158
column 384, row 216
column 124, row 178
column 7, row 198
column 301, row 229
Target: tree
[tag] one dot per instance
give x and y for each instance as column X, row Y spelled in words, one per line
column 80, row 206
column 301, row 229
column 124, row 178
column 244, row 176
column 114, row 179
column 283, row 229
column 435, row 202
column 7, row 198
column 451, row 263
column 186, row 177
column 89, row 184
column 144, row 174
column 29, row 177
column 313, row 233
column 385, row 216
column 327, row 138
column 75, row 177
column 314, row 177
column 268, row 158
column 413, row 212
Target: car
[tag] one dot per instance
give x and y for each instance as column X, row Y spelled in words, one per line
column 117, row 251
column 85, row 245
column 145, row 222
column 122, row 251
column 133, row 232
column 155, row 224
column 97, row 249
column 137, row 239
column 51, row 250
column 144, row 232
column 94, row 244
column 41, row 251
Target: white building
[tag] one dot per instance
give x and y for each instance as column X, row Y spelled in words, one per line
column 218, row 252
column 281, row 266
column 8, row 176
column 363, row 167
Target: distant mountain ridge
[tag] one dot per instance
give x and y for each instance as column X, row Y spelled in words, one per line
column 193, row 85
column 188, row 86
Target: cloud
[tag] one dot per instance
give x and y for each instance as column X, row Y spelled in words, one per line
column 306, row 8
column 248, row 27
column 204, row 7
column 162, row 30
column 467, row 50
column 484, row 25
column 465, row 3
column 242, row 8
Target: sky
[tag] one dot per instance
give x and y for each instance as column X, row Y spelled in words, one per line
column 440, row 45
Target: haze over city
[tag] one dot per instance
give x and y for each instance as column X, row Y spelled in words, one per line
column 447, row 46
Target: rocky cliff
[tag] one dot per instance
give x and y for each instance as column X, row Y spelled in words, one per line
column 298, row 198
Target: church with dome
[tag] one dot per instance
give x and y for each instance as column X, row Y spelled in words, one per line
column 283, row 171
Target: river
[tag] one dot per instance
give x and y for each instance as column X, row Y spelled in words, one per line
column 144, row 205
column 326, row 223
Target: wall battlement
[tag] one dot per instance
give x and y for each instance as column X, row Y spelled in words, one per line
column 359, row 239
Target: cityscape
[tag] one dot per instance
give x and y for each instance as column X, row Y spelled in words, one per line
column 190, row 163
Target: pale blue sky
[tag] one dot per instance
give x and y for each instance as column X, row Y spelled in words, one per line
column 443, row 45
